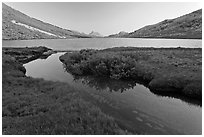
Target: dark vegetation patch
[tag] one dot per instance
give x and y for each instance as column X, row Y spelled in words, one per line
column 171, row 70
column 35, row 106
column 25, row 55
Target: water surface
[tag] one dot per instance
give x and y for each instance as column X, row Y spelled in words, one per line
column 133, row 105
column 101, row 43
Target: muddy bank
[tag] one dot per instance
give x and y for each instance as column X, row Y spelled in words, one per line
column 163, row 70
column 35, row 106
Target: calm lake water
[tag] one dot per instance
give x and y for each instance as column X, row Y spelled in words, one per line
column 132, row 105
column 101, row 43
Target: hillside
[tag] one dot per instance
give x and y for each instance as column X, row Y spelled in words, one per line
column 187, row 26
column 16, row 25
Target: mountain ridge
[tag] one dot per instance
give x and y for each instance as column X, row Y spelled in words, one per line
column 17, row 25
column 188, row 26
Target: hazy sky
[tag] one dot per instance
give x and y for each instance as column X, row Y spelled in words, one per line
column 105, row 18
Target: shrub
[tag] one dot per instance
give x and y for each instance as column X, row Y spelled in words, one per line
column 108, row 64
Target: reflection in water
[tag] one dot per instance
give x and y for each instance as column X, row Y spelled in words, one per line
column 100, row 83
column 188, row 100
column 44, row 56
column 104, row 84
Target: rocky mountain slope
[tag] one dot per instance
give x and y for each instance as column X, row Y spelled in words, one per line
column 187, row 26
column 16, row 25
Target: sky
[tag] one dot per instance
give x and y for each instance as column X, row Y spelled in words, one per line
column 104, row 17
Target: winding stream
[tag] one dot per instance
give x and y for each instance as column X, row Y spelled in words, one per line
column 133, row 106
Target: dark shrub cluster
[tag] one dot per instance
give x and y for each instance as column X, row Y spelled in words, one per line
column 107, row 64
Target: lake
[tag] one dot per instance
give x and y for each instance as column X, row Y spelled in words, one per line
column 101, row 43
column 132, row 105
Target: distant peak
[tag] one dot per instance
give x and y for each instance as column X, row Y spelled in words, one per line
column 94, row 33
column 122, row 32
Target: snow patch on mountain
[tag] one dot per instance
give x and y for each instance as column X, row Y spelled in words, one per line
column 35, row 29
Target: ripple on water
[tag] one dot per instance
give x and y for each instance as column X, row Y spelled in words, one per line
column 144, row 115
column 149, row 125
column 139, row 119
column 134, row 111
